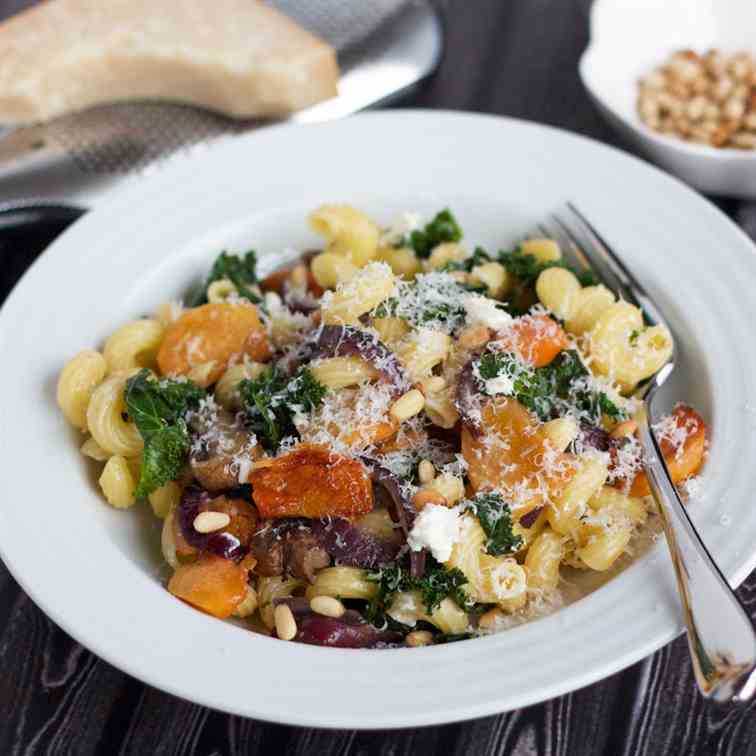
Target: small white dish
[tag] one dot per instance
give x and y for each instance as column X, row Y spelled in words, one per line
column 98, row 572
column 628, row 39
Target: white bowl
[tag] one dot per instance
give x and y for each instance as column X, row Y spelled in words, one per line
column 628, row 39
column 98, row 572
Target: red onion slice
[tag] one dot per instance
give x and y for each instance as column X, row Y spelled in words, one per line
column 226, row 545
column 347, row 631
column 404, row 509
column 352, row 546
column 345, row 341
column 529, row 518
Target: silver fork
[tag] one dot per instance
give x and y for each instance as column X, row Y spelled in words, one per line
column 721, row 637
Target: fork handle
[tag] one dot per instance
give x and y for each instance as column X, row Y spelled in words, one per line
column 721, row 636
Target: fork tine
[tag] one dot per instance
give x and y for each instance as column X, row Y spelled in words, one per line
column 626, row 283
column 596, row 262
column 571, row 254
column 571, row 245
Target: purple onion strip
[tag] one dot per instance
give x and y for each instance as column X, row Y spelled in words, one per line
column 347, row 631
column 345, row 341
column 529, row 518
column 352, row 546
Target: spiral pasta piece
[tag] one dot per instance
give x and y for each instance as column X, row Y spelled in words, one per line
column 134, row 345
column 105, row 419
column 78, row 379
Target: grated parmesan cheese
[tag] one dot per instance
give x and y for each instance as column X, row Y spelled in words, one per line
column 483, row 311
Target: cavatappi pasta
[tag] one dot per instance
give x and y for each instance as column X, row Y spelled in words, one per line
column 398, row 439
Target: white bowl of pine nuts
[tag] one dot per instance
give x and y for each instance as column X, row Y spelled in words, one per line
column 678, row 81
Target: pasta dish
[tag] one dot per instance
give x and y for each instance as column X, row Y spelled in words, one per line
column 396, row 440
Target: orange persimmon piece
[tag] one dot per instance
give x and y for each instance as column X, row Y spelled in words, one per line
column 683, row 448
column 535, row 339
column 213, row 333
column 311, row 481
column 513, row 454
column 213, row 584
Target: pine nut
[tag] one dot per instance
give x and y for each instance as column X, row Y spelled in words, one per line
column 419, row 638
column 425, row 496
column 435, row 384
column 449, row 486
column 298, row 277
column 328, row 606
column 407, row 406
column 707, row 99
column 209, row 522
column 286, row 626
column 426, row 471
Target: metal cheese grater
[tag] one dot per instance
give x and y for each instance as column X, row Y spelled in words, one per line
column 384, row 46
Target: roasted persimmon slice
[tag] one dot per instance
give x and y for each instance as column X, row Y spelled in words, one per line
column 513, row 454
column 683, row 442
column 212, row 584
column 213, row 335
column 311, row 481
column 535, row 339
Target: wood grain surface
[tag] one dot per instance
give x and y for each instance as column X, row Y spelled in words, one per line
column 513, row 57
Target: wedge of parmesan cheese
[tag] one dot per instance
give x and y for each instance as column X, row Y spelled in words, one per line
column 239, row 57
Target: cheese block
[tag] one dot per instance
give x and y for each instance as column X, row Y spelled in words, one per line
column 239, row 57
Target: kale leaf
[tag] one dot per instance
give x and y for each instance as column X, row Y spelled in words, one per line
column 527, row 267
column 271, row 400
column 241, row 271
column 495, row 517
column 478, row 257
column 164, row 455
column 157, row 409
column 436, row 584
column 443, row 228
column 551, row 390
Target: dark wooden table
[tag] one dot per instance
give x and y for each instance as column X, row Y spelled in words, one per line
column 514, row 57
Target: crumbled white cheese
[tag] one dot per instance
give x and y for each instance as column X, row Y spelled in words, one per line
column 436, row 528
column 482, row 310
column 502, row 384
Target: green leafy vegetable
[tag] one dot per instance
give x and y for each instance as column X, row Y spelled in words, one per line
column 241, row 271
column 271, row 400
column 443, row 228
column 552, row 390
column 495, row 517
column 478, row 257
column 634, row 337
column 527, row 267
column 436, row 584
column 164, row 455
column 158, row 409
column 432, row 299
